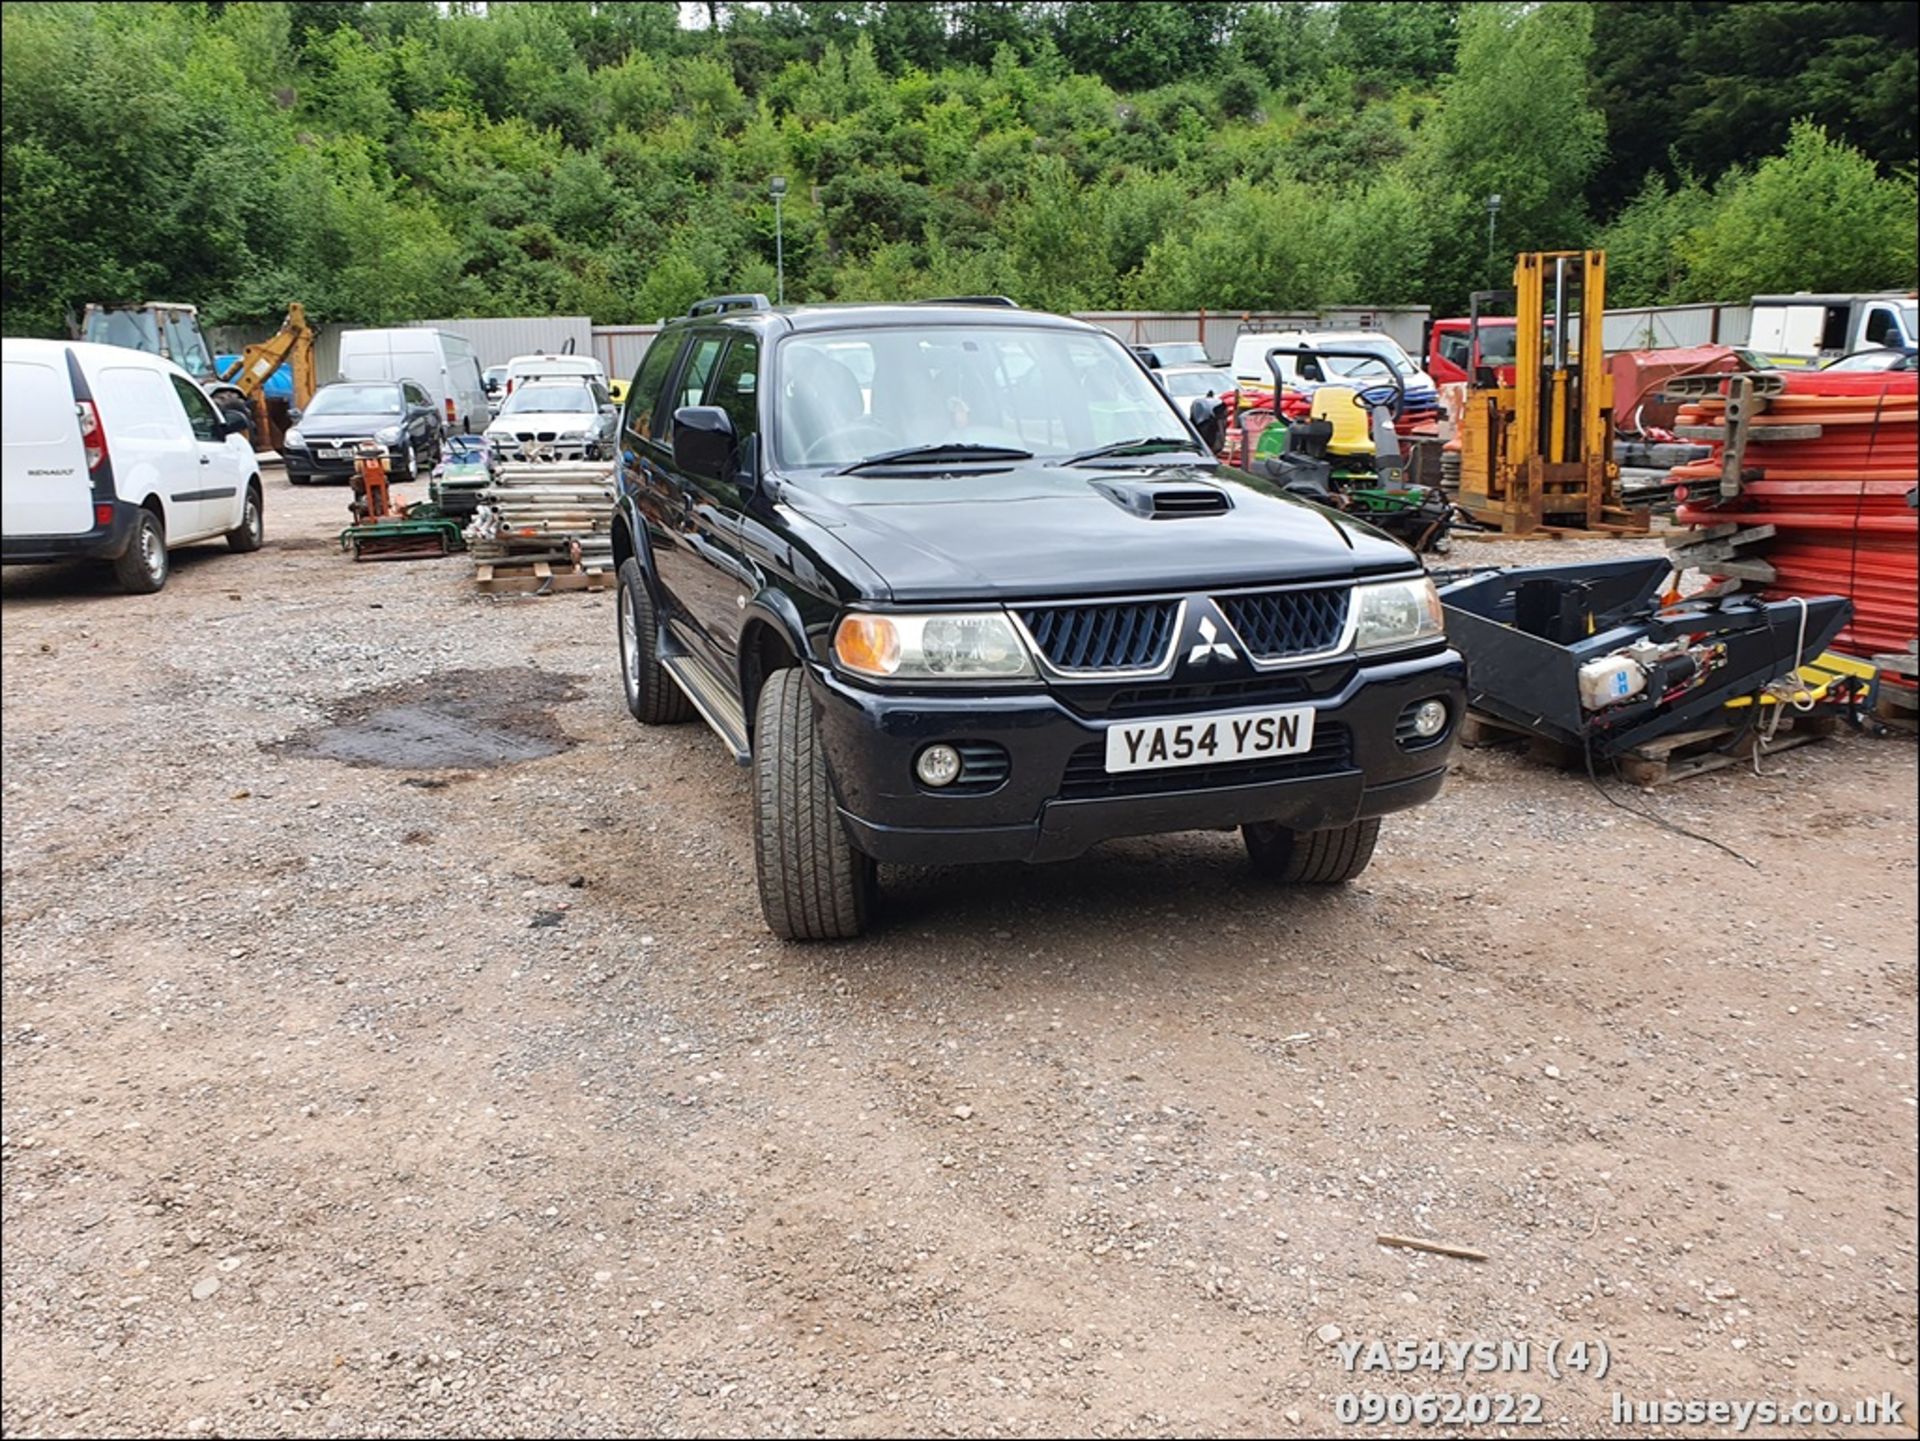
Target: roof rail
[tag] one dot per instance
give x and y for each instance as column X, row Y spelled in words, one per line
column 1002, row 300
column 717, row 304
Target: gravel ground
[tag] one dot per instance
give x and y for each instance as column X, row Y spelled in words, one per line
column 473, row 1098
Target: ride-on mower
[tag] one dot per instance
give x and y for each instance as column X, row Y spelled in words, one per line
column 1346, row 453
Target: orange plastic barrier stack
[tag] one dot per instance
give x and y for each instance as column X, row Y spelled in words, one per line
column 1842, row 503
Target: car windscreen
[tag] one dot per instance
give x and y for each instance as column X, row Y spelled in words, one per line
column 1181, row 353
column 355, row 400
column 844, row 395
column 1345, row 366
column 552, row 399
column 1186, row 384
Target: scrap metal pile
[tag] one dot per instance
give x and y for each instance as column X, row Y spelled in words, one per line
column 558, row 512
column 1811, row 490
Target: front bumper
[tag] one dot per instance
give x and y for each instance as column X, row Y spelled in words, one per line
column 306, row 465
column 103, row 542
column 1056, row 801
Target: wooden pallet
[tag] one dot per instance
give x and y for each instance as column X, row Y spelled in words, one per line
column 539, row 577
column 1658, row 762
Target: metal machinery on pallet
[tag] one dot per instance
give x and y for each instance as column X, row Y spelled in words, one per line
column 1346, row 452
column 1539, row 451
column 382, row 532
column 1590, row 656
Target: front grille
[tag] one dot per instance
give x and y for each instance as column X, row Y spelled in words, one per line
column 1086, row 776
column 1280, row 623
column 1128, row 635
column 1178, row 699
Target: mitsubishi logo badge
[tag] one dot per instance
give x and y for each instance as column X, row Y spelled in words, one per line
column 1211, row 647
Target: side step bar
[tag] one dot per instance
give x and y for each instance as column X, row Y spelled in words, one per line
column 717, row 704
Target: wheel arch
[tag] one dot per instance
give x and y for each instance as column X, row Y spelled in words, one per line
column 772, row 638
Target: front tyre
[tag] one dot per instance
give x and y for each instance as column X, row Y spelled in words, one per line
column 651, row 695
column 814, row 886
column 1310, row 858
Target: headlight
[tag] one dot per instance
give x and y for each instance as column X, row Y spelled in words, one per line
column 976, row 646
column 388, row 435
column 1396, row 613
column 294, row 438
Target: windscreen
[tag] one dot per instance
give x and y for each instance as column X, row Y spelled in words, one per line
column 355, row 400
column 1345, row 366
column 845, row 395
column 552, row 399
column 1190, row 384
column 128, row 329
column 1181, row 353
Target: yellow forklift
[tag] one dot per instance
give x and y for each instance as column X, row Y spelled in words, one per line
column 1536, row 439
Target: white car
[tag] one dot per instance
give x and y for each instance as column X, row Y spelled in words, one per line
column 562, row 419
column 117, row 455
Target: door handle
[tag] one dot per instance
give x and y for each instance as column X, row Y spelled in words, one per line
column 206, row 460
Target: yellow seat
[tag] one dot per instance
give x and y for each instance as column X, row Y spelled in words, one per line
column 1338, row 405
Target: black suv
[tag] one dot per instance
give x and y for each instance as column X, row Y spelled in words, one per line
column 961, row 583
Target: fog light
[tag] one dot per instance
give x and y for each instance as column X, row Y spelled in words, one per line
column 938, row 766
column 1429, row 719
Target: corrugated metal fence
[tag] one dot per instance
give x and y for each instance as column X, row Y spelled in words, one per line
column 1217, row 329
column 494, row 340
column 620, row 347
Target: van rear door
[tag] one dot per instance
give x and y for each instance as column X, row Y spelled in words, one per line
column 44, row 489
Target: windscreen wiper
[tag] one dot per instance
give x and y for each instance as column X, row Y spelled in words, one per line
column 1143, row 445
column 952, row 450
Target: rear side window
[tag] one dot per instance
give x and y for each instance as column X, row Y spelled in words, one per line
column 139, row 404
column 36, row 404
column 643, row 400
column 200, row 412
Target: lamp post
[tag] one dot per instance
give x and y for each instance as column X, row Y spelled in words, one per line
column 778, row 187
column 1493, row 209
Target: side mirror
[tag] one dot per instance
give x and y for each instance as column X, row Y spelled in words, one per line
column 1209, row 417
column 702, row 441
column 231, row 425
column 293, row 414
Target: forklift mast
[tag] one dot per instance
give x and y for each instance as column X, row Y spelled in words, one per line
column 1537, row 449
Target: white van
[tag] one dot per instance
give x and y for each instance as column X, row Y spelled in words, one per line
column 117, row 455
column 523, row 368
column 439, row 360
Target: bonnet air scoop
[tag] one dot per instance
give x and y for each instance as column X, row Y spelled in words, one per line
column 1159, row 501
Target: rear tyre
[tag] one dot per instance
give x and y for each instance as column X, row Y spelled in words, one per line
column 652, row 696
column 1310, row 858
column 814, row 886
column 142, row 568
column 251, row 533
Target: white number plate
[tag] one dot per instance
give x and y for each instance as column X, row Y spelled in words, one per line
column 326, row 454
column 1209, row 740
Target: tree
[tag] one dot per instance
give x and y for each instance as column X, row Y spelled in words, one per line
column 1706, row 86
column 1515, row 123
column 1816, row 217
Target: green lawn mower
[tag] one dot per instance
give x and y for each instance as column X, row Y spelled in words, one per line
column 1345, row 453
